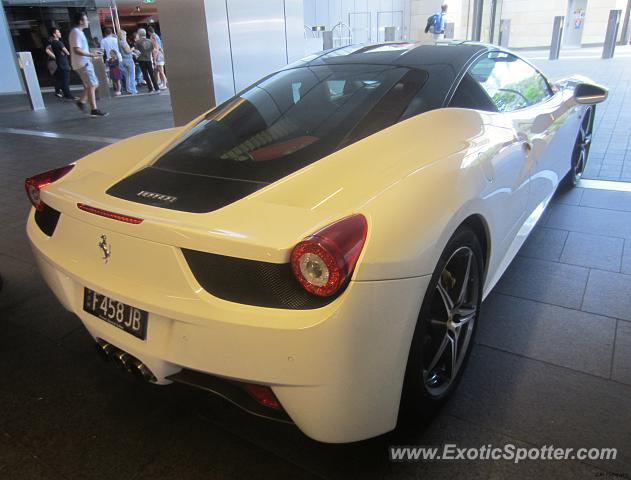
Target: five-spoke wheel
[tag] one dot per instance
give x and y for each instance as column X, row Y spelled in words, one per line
column 581, row 147
column 446, row 326
column 453, row 313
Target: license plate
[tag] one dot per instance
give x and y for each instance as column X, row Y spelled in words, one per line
column 130, row 319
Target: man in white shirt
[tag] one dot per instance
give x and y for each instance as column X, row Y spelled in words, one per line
column 438, row 28
column 109, row 43
column 81, row 60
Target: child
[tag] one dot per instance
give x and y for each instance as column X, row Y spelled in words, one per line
column 115, row 71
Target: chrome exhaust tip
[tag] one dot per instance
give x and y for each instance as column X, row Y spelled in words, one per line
column 105, row 350
column 124, row 360
column 142, row 372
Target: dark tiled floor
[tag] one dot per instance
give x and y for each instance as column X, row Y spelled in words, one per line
column 552, row 362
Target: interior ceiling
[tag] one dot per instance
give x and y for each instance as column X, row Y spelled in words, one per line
column 129, row 7
column 130, row 12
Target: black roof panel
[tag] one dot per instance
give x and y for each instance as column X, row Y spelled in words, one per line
column 418, row 55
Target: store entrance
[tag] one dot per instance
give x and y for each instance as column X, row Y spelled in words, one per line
column 30, row 24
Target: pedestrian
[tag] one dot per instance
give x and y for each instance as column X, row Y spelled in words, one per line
column 436, row 23
column 158, row 58
column 60, row 53
column 145, row 60
column 115, row 72
column 81, row 61
column 128, row 67
column 109, row 44
column 51, row 63
column 152, row 33
column 140, row 81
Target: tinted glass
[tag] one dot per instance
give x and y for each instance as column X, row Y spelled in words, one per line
column 470, row 94
column 510, row 82
column 292, row 119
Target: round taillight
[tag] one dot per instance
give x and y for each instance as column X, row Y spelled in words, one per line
column 324, row 261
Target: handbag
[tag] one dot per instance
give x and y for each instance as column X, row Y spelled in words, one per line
column 52, row 66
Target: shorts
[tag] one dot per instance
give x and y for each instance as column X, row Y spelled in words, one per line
column 87, row 75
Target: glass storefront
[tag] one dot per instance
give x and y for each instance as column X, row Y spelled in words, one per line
column 30, row 22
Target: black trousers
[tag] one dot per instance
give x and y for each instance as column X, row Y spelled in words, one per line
column 149, row 74
column 62, row 82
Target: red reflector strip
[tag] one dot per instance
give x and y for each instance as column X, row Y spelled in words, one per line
column 107, row 214
column 263, row 395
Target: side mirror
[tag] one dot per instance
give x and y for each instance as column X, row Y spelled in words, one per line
column 589, row 93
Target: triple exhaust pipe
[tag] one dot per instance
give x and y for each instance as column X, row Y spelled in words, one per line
column 124, row 360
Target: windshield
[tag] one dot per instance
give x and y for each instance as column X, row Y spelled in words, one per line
column 292, row 119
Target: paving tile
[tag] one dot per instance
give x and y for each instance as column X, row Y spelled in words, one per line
column 626, row 258
column 214, row 453
column 568, row 196
column 21, row 280
column 594, row 251
column 43, row 313
column 621, row 371
column 542, row 404
column 607, row 199
column 544, row 281
column 590, row 220
column 544, row 243
column 613, row 177
column 76, row 412
column 608, row 294
column 564, row 337
column 367, row 459
column 448, row 430
column 18, row 463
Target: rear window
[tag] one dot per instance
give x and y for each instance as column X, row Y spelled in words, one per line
column 292, row 119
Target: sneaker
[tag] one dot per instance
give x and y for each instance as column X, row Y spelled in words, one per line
column 80, row 106
column 59, row 95
column 117, row 94
column 98, row 113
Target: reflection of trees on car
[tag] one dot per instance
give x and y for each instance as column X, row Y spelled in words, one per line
column 520, row 94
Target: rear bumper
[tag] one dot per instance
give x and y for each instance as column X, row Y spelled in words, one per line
column 336, row 370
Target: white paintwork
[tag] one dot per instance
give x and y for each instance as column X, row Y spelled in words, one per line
column 337, row 370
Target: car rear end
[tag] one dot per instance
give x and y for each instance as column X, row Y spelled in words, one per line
column 182, row 269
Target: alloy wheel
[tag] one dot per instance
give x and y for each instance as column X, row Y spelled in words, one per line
column 583, row 142
column 453, row 312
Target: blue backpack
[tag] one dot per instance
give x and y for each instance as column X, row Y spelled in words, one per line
column 434, row 23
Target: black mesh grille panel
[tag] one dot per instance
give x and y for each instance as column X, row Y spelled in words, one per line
column 47, row 219
column 251, row 282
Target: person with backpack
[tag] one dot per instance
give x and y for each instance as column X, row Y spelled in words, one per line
column 436, row 23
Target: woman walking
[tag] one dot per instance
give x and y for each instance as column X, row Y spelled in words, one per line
column 158, row 60
column 128, row 67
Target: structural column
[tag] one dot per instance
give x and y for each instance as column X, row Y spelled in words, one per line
column 215, row 48
column 9, row 75
column 186, row 40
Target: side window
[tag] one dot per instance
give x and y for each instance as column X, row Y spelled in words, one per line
column 510, row 82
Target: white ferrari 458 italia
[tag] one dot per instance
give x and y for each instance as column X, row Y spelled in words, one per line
column 316, row 248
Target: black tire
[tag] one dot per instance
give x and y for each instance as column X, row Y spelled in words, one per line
column 580, row 153
column 422, row 392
